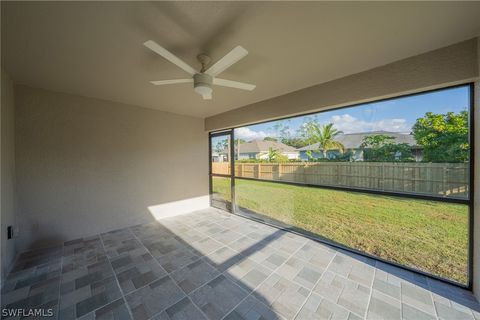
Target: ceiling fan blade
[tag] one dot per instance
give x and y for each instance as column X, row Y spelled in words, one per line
column 230, row 58
column 173, row 81
column 207, row 96
column 152, row 45
column 233, row 84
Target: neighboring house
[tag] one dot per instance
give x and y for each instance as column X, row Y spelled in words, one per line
column 219, row 157
column 353, row 141
column 258, row 149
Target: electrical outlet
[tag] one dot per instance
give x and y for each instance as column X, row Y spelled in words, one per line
column 9, row 232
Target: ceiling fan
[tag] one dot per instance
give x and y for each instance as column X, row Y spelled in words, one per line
column 205, row 78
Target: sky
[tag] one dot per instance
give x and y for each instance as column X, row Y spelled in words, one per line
column 396, row 115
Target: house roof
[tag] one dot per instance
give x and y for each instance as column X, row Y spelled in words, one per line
column 354, row 140
column 256, row 146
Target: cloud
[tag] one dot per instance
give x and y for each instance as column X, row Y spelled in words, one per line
column 248, row 134
column 349, row 124
column 344, row 122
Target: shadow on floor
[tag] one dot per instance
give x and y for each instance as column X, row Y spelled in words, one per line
column 213, row 265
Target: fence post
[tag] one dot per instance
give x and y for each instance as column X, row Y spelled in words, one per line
column 305, row 170
column 259, row 170
column 444, row 180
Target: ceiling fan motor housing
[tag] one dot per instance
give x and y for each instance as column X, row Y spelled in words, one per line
column 202, row 83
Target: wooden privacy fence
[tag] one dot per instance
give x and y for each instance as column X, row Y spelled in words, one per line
column 438, row 179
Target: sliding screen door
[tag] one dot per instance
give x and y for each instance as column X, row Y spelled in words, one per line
column 220, row 170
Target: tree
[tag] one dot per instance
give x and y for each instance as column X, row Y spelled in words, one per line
column 381, row 147
column 282, row 130
column 270, row 139
column 324, row 135
column 294, row 142
column 238, row 142
column 221, row 145
column 275, row 155
column 444, row 137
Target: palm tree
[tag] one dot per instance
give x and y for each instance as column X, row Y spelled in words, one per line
column 274, row 155
column 324, row 136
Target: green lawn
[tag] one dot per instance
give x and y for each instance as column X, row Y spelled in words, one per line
column 428, row 235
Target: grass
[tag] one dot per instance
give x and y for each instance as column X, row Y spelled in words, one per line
column 427, row 235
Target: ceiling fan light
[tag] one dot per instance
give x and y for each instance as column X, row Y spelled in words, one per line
column 203, row 89
column 202, row 84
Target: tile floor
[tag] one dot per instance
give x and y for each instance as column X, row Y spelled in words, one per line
column 213, row 265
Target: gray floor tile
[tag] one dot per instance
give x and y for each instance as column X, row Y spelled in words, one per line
column 37, row 258
column 194, row 275
column 353, row 267
column 445, row 312
column 231, row 222
column 211, row 229
column 263, row 233
column 117, row 235
column 189, row 236
column 287, row 242
column 247, row 227
column 282, row 295
column 152, row 229
column 318, row 308
column 136, row 269
column 154, row 298
column 404, row 275
column 347, row 293
column 182, row 310
column 316, row 254
column 382, row 306
column 117, row 247
column 411, row 313
column 330, row 286
column 89, row 296
column 223, row 258
column 387, row 288
column 266, row 256
column 116, row 310
column 206, row 245
column 252, row 308
column 301, row 272
column 177, row 259
column 247, row 274
column 245, row 245
column 226, row 236
column 79, row 279
column 162, row 246
column 417, row 297
column 218, row 297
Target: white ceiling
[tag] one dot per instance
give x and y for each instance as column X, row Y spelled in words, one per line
column 95, row 48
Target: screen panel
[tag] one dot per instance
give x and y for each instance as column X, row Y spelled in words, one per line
column 389, row 178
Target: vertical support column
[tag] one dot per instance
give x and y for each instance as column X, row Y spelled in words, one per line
column 475, row 228
column 232, row 170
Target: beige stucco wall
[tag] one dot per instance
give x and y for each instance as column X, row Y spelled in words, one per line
column 449, row 65
column 86, row 166
column 8, row 195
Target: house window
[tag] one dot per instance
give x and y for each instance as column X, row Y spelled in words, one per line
column 389, row 179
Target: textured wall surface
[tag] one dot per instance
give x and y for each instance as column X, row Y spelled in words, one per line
column 86, row 166
column 8, row 196
column 456, row 63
